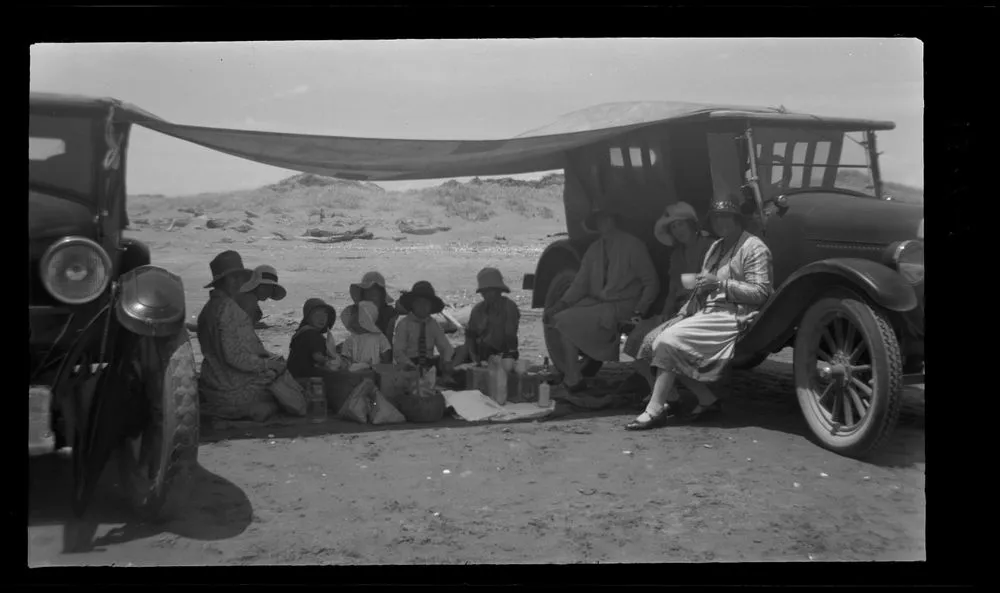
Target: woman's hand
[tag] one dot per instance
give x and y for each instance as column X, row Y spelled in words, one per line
column 707, row 282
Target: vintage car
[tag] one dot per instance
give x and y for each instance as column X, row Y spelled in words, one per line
column 112, row 371
column 848, row 260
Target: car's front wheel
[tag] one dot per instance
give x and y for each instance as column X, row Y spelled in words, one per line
column 157, row 465
column 848, row 374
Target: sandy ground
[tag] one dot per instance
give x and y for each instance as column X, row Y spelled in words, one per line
column 578, row 488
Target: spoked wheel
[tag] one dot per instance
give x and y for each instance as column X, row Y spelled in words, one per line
column 157, row 462
column 848, row 375
column 557, row 288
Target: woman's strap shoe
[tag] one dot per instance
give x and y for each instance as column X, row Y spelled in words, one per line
column 660, row 419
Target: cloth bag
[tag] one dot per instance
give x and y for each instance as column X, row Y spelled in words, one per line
column 290, row 395
column 358, row 405
column 383, row 412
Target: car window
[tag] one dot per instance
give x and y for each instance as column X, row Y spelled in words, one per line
column 804, row 158
column 60, row 152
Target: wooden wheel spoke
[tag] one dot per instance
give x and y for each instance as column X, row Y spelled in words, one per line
column 828, row 341
column 820, row 354
column 838, row 334
column 826, row 392
column 859, row 403
column 852, row 334
column 861, row 368
column 848, row 407
column 861, row 385
column 857, row 351
column 838, row 403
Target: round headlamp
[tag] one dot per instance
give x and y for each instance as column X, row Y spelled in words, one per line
column 75, row 270
column 908, row 257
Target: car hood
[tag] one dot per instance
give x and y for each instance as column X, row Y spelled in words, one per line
column 51, row 217
column 857, row 220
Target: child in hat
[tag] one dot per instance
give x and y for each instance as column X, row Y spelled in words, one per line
column 373, row 288
column 366, row 344
column 308, row 352
column 493, row 323
column 418, row 335
column 263, row 285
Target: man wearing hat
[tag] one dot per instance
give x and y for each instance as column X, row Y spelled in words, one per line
column 263, row 285
column 493, row 322
column 418, row 334
column 236, row 370
column 616, row 284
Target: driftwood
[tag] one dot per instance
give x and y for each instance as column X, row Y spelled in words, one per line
column 279, row 235
column 216, row 223
column 339, row 238
column 251, row 214
column 408, row 227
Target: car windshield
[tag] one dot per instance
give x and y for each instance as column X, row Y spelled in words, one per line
column 791, row 159
column 60, row 154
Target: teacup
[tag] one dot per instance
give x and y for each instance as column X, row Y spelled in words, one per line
column 689, row 281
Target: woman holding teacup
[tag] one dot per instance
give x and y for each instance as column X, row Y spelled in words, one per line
column 734, row 283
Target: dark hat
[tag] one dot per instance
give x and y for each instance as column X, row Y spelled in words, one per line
column 590, row 223
column 725, row 207
column 490, row 278
column 313, row 304
column 225, row 264
column 424, row 290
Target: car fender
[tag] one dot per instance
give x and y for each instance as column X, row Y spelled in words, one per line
column 779, row 317
column 559, row 255
column 150, row 301
column 134, row 253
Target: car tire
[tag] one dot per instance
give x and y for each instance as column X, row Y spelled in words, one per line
column 557, row 288
column 156, row 468
column 853, row 409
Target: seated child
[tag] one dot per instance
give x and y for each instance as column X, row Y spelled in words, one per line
column 366, row 344
column 418, row 334
column 493, row 323
column 308, row 354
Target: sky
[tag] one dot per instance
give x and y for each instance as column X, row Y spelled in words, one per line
column 467, row 89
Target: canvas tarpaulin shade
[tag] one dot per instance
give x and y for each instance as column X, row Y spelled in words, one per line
column 381, row 159
column 377, row 159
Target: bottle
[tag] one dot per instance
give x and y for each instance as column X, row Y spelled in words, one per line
column 317, row 401
column 543, row 395
column 501, row 384
column 545, row 370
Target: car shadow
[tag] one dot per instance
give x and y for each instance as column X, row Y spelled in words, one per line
column 217, row 509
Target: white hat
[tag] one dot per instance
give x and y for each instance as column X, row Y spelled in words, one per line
column 675, row 212
column 265, row 275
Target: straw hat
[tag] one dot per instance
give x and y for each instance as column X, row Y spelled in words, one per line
column 367, row 281
column 265, row 275
column 313, row 304
column 422, row 289
column 361, row 318
column 490, row 278
column 225, row 264
column 675, row 212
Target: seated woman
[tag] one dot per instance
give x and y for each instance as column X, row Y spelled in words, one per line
column 308, row 356
column 493, row 322
column 616, row 284
column 236, row 370
column 418, row 334
column 733, row 285
column 366, row 344
column 677, row 228
column 263, row 286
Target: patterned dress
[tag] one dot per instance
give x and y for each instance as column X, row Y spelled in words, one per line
column 701, row 343
column 234, row 376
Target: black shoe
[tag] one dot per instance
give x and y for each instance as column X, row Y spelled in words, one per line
column 666, row 414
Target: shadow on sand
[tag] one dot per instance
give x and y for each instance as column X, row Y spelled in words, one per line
column 217, row 509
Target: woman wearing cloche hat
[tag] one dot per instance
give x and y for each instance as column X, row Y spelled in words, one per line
column 493, row 322
column 734, row 283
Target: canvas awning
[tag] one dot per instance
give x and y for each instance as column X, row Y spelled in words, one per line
column 381, row 159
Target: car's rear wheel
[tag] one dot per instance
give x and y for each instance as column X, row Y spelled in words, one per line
column 557, row 288
column 157, row 465
column 848, row 375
